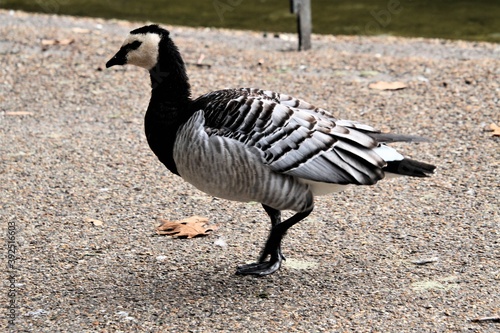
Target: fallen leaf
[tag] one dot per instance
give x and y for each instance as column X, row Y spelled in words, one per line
column 381, row 85
column 18, row 113
column 190, row 227
column 495, row 129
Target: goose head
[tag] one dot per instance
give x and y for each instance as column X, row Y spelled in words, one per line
column 141, row 48
column 151, row 47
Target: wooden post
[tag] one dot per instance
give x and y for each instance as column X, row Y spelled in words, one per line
column 304, row 22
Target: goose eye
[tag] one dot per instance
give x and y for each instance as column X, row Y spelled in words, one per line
column 134, row 45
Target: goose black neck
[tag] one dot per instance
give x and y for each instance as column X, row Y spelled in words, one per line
column 169, row 81
column 169, row 105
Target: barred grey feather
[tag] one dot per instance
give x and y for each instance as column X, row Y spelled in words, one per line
column 228, row 169
column 293, row 136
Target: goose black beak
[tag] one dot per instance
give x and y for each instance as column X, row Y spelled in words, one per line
column 119, row 59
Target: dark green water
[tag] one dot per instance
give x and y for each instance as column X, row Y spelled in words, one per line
column 454, row 19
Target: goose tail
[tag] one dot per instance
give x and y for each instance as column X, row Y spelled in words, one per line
column 409, row 167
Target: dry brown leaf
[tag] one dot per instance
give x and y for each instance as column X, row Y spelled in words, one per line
column 495, row 129
column 190, row 227
column 381, row 85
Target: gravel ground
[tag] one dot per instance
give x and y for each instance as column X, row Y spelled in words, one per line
column 83, row 191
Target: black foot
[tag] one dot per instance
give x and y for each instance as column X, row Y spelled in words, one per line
column 260, row 268
column 273, row 244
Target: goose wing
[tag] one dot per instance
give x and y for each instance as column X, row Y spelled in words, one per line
column 295, row 137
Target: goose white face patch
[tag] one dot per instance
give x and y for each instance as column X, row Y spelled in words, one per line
column 146, row 55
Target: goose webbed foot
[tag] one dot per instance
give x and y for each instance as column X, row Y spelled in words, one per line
column 263, row 266
column 260, row 268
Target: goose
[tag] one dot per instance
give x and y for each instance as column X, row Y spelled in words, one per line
column 250, row 144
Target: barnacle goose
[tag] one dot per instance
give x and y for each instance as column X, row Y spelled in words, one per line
column 255, row 145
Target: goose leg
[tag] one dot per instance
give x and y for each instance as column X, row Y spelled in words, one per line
column 275, row 216
column 273, row 244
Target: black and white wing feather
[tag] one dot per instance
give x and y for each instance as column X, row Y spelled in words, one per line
column 296, row 138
